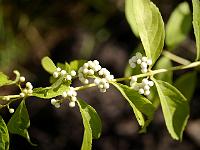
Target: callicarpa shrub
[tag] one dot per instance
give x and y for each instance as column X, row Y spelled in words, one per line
column 149, row 76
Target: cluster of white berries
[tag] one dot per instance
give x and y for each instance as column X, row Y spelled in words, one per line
column 102, row 84
column 88, row 69
column 92, row 68
column 60, row 72
column 143, row 87
column 70, row 94
column 28, row 90
column 143, row 61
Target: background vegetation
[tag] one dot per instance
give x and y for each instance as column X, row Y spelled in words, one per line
column 83, row 29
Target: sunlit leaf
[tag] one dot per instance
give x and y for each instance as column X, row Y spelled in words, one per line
column 141, row 106
column 76, row 64
column 4, row 136
column 20, row 122
column 4, row 80
column 186, row 84
column 48, row 65
column 178, row 25
column 130, row 16
column 175, row 108
column 196, row 24
column 91, row 122
column 150, row 27
column 49, row 92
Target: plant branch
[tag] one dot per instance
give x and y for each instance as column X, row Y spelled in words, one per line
column 176, row 58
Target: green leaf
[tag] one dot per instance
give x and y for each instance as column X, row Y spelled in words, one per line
column 186, row 84
column 150, row 27
column 179, row 25
column 140, row 105
column 49, row 92
column 130, row 16
column 4, row 80
column 20, row 122
column 164, row 63
column 4, row 135
column 48, row 65
column 91, row 122
column 175, row 108
column 76, row 64
column 64, row 66
column 196, row 24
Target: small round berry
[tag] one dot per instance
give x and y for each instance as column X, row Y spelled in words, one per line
column 146, row 92
column 86, row 81
column 91, row 72
column 138, row 55
column 55, row 74
column 144, row 70
column 96, row 62
column 30, row 91
column 106, row 85
column 68, row 77
column 74, row 98
column 72, row 104
column 29, row 85
column 141, row 91
column 64, row 94
column 143, row 65
column 100, row 86
column 134, row 59
column 11, row 110
column 97, row 81
column 146, row 87
column 57, row 105
column 22, row 95
column 103, row 90
column 144, row 59
column 85, row 71
column 139, row 61
column 25, row 91
column 73, row 73
column 74, row 93
column 22, row 79
column 145, row 81
column 53, row 101
column 86, row 65
column 58, row 69
column 150, row 83
column 134, row 78
column 133, row 65
column 63, row 72
column 70, row 93
column 149, row 62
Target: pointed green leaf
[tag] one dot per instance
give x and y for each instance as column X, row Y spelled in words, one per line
column 92, row 124
column 178, row 25
column 164, row 63
column 4, row 80
column 186, row 84
column 150, row 27
column 92, row 117
column 196, row 24
column 48, row 65
column 76, row 64
column 4, row 136
column 49, row 92
column 140, row 105
column 175, row 108
column 130, row 16
column 20, row 122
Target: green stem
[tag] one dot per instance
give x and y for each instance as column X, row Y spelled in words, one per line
column 176, row 58
column 150, row 73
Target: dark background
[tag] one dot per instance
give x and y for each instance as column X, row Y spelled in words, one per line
column 83, row 29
